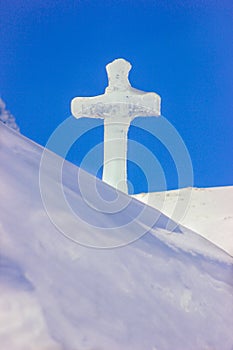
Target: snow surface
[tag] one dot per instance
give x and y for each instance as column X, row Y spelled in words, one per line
column 209, row 211
column 6, row 117
column 167, row 290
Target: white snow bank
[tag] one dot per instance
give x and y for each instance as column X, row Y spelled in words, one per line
column 6, row 117
column 167, row 290
column 22, row 324
column 209, row 211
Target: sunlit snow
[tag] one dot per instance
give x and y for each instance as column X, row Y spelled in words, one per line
column 167, row 290
column 209, row 211
column 6, row 117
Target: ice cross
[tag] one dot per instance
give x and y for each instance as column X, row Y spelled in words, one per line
column 118, row 106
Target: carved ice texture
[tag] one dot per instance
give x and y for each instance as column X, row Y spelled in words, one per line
column 118, row 106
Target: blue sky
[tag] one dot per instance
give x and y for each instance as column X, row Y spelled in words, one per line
column 52, row 51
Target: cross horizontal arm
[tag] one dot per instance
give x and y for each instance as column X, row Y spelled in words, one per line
column 131, row 103
column 90, row 107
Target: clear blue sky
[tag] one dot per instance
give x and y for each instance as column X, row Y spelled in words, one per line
column 52, row 51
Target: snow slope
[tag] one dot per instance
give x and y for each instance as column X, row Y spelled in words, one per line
column 209, row 211
column 167, row 290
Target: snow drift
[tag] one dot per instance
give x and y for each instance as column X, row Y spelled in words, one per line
column 208, row 212
column 166, row 290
